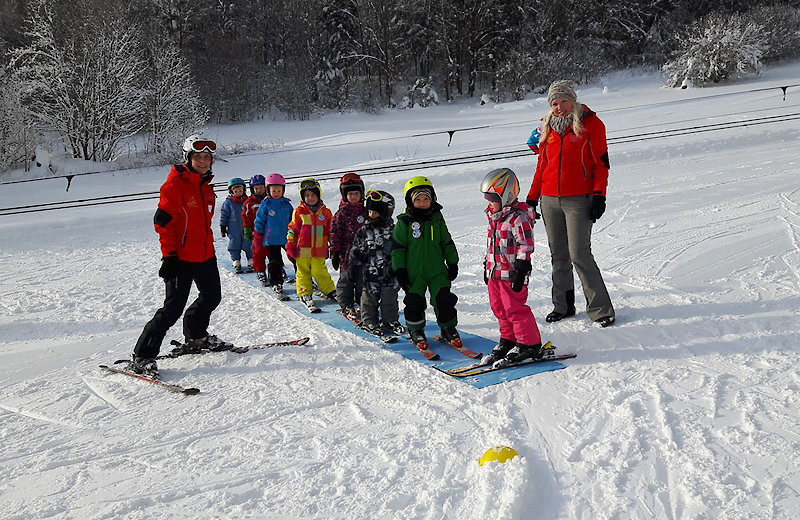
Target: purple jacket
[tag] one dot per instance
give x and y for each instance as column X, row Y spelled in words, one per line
column 346, row 222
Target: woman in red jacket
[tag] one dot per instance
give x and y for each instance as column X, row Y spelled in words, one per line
column 183, row 224
column 571, row 178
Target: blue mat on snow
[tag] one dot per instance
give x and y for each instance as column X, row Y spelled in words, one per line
column 448, row 357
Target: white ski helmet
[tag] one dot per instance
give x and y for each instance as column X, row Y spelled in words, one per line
column 195, row 143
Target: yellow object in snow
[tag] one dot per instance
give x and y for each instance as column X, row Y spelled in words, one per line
column 499, row 454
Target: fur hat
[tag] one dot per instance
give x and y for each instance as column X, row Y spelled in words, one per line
column 562, row 89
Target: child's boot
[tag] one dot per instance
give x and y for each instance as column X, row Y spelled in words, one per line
column 519, row 353
column 418, row 338
column 451, row 336
column 237, row 266
column 250, row 265
column 499, row 351
column 262, row 277
column 278, row 290
column 331, row 296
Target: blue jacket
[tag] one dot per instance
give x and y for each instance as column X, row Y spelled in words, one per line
column 230, row 216
column 272, row 220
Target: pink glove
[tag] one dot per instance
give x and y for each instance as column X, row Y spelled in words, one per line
column 292, row 250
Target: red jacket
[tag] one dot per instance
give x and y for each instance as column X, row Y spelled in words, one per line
column 573, row 164
column 250, row 210
column 183, row 217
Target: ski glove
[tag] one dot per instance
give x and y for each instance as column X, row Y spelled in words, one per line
column 248, row 233
column 335, row 261
column 532, row 205
column 598, row 207
column 521, row 270
column 485, row 274
column 169, row 267
column 402, row 279
column 292, row 250
column 223, row 230
column 452, row 271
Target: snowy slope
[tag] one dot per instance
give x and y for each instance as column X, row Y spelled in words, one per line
column 687, row 408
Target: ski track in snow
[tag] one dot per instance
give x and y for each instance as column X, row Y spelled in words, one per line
column 686, row 409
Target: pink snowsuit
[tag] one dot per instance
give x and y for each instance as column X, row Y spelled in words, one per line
column 510, row 237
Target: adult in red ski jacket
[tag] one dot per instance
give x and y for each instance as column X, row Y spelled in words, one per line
column 570, row 182
column 183, row 224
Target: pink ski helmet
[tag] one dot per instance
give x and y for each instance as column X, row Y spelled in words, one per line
column 276, row 178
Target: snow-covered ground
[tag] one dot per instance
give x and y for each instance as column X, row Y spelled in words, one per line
column 687, row 408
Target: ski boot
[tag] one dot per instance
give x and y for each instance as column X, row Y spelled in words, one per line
column 451, row 336
column 278, row 290
column 237, row 266
column 209, row 342
column 396, row 328
column 330, row 297
column 520, row 352
column 349, row 312
column 498, row 352
column 249, row 268
column 418, row 338
column 605, row 321
column 262, row 277
column 308, row 301
column 144, row 366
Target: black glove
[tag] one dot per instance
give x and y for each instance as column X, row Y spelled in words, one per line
column 598, row 207
column 335, row 261
column 532, row 204
column 223, row 230
column 452, row 271
column 402, row 279
column 169, row 267
column 485, row 274
column 521, row 270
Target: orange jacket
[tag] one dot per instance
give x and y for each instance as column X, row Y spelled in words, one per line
column 183, row 217
column 310, row 230
column 573, row 164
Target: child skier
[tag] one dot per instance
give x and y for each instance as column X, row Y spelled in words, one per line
column 307, row 244
column 425, row 258
column 258, row 190
column 371, row 254
column 347, row 220
column 230, row 225
column 507, row 265
column 270, row 228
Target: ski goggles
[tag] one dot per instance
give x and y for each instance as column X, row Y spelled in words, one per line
column 204, row 146
column 492, row 197
column 374, row 195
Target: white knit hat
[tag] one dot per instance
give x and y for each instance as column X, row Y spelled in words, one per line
column 562, row 89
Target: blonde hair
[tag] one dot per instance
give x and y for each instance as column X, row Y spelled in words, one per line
column 577, row 127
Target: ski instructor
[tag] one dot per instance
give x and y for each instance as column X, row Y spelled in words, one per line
column 571, row 179
column 183, row 224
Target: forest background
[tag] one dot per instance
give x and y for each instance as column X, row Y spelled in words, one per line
column 105, row 79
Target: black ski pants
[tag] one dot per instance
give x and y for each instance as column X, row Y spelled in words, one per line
column 205, row 275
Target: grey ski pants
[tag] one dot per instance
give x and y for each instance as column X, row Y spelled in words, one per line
column 381, row 300
column 569, row 232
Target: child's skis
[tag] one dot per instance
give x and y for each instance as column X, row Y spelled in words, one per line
column 459, row 346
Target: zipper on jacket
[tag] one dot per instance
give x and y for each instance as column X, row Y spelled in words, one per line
column 560, row 160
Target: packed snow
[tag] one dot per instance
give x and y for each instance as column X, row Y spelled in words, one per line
column 687, row 408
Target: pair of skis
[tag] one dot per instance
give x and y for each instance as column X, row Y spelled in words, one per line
column 456, row 344
column 192, row 391
column 548, row 354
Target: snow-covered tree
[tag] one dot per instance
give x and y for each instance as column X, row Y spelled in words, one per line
column 716, row 48
column 85, row 84
column 17, row 134
column 174, row 105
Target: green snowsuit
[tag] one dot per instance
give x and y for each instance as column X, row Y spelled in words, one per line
column 422, row 245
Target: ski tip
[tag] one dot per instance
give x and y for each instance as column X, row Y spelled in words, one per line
column 303, row 341
column 191, row 391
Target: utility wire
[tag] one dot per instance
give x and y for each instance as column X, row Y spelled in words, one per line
column 417, row 165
